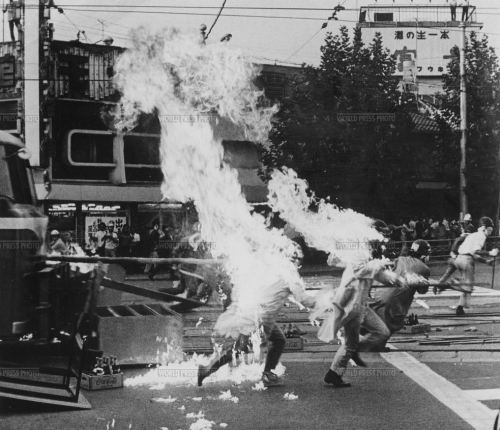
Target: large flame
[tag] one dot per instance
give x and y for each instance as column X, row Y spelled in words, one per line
column 344, row 234
column 184, row 82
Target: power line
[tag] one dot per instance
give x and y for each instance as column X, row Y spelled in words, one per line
column 216, row 18
column 308, row 40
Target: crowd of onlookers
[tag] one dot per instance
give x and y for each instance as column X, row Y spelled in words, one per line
column 153, row 241
column 439, row 228
column 439, row 231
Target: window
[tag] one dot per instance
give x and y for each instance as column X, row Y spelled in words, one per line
column 384, row 17
column 92, row 148
column 141, row 150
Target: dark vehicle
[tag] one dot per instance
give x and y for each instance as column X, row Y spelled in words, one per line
column 22, row 236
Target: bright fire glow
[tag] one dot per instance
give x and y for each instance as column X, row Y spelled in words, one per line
column 186, row 83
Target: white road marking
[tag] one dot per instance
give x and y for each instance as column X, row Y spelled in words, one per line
column 492, row 394
column 476, row 414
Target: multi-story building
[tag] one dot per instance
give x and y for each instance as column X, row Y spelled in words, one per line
column 421, row 37
column 57, row 96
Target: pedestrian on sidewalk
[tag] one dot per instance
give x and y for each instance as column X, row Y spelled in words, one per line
column 111, row 241
column 469, row 252
column 153, row 243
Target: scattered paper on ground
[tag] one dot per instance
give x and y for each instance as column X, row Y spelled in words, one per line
column 193, row 415
column 290, row 396
column 202, row 424
column 226, row 395
column 164, row 400
column 259, row 386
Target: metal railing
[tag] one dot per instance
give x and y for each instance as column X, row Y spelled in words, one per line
column 410, row 13
column 440, row 248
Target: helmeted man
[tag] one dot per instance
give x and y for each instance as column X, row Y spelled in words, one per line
column 351, row 312
column 56, row 243
column 394, row 304
column 468, row 252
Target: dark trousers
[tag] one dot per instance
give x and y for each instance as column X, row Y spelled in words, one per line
column 453, row 13
column 276, row 344
column 465, row 13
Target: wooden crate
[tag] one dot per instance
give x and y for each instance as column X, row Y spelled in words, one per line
column 294, row 343
column 417, row 328
column 101, row 382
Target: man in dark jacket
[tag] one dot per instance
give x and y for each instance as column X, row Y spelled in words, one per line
column 394, row 304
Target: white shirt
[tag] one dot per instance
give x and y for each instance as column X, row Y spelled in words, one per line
column 464, row 3
column 453, row 2
column 472, row 243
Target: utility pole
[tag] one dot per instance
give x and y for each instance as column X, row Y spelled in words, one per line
column 463, row 127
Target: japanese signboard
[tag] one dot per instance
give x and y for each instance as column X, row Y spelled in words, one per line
column 429, row 47
column 92, row 222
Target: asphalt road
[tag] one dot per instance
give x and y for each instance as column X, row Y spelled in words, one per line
column 385, row 399
column 396, row 392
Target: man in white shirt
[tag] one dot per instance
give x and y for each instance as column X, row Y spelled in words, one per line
column 453, row 8
column 468, row 253
column 465, row 9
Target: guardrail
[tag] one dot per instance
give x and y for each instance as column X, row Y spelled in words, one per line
column 440, row 248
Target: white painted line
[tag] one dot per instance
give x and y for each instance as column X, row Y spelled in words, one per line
column 479, row 416
column 492, row 394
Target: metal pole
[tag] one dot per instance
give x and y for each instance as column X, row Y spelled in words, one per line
column 493, row 274
column 463, row 126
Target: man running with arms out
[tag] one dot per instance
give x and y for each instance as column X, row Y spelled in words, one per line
column 468, row 253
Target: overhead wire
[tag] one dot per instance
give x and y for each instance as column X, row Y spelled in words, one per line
column 216, row 19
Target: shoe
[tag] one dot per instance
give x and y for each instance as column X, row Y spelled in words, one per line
column 357, row 359
column 334, row 379
column 453, row 307
column 203, row 372
column 460, row 311
column 269, row 379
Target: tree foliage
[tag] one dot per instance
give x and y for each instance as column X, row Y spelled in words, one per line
column 483, row 124
column 366, row 165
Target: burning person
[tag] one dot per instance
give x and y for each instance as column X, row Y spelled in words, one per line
column 277, row 294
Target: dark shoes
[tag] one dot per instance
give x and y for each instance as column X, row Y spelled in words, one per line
column 460, row 311
column 269, row 379
column 335, row 380
column 203, row 372
column 357, row 359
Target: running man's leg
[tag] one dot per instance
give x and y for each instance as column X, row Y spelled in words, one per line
column 276, row 345
column 346, row 351
column 378, row 333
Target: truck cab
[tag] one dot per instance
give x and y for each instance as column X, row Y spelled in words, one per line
column 22, row 236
